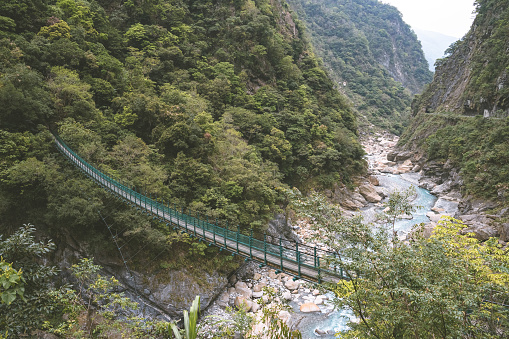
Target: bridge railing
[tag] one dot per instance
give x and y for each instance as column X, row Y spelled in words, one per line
column 302, row 256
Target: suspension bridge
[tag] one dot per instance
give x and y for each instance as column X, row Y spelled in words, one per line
column 302, row 261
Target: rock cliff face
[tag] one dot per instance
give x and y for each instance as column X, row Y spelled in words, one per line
column 162, row 292
column 473, row 78
column 371, row 53
column 464, row 157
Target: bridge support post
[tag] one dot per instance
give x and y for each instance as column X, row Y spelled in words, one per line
column 237, row 235
column 225, row 233
column 250, row 244
column 297, row 256
column 214, row 234
column 281, row 253
column 194, row 221
column 185, row 219
column 265, row 248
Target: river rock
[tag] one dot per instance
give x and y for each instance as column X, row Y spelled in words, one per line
column 482, row 232
column 433, row 216
column 373, row 180
column 280, row 226
column 309, row 307
column 292, row 285
column 287, row 295
column 257, row 276
column 240, row 301
column 320, row 332
column 224, row 299
column 442, row 189
column 257, row 295
column 382, row 191
column 471, row 219
column 258, row 287
column 449, row 207
column 424, row 231
column 391, row 156
column 285, row 316
column 255, row 307
column 369, row 193
column 504, row 232
column 242, row 289
column 402, row 156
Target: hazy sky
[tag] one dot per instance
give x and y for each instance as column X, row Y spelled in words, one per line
column 449, row 17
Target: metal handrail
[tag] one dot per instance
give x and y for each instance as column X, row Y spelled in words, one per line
column 301, row 256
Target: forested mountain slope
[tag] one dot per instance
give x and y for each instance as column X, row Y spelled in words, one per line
column 461, row 118
column 372, row 55
column 209, row 104
column 212, row 106
column 473, row 78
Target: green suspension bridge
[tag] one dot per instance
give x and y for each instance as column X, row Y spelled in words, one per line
column 301, row 261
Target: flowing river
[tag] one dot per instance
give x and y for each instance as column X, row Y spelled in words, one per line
column 331, row 321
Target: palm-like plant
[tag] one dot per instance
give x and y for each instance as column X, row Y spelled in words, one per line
column 190, row 322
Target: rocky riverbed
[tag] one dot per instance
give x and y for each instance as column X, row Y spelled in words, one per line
column 389, row 168
column 484, row 219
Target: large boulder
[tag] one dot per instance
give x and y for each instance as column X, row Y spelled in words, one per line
column 504, row 232
column 402, row 156
column 373, row 180
column 242, row 289
column 292, row 285
column 280, row 226
column 369, row 193
column 482, row 232
column 245, row 303
column 309, row 307
column 391, row 156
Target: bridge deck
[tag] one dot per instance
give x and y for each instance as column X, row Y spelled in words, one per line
column 306, row 263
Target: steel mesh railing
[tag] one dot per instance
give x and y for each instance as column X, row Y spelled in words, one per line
column 298, row 258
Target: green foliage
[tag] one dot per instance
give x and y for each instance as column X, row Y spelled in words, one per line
column 11, row 283
column 211, row 107
column 361, row 42
column 56, row 31
column 241, row 322
column 275, row 327
column 249, row 326
column 479, row 148
column 28, row 279
column 190, row 322
column 435, row 287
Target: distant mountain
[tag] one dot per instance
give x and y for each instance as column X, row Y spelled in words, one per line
column 434, row 45
column 371, row 53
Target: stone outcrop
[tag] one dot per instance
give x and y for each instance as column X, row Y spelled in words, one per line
column 369, row 193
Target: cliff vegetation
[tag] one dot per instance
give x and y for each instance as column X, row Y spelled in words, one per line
column 373, row 56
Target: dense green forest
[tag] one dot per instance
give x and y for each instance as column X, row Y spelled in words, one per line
column 212, row 105
column 372, row 55
column 462, row 116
